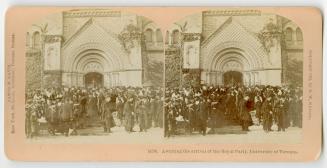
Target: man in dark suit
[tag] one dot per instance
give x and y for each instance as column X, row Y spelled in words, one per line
column 83, row 101
column 66, row 114
column 267, row 114
column 129, row 115
column 202, row 117
column 109, row 108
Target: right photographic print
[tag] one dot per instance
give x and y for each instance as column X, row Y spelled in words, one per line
column 233, row 76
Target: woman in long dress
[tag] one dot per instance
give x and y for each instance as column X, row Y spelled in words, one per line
column 129, row 115
column 92, row 108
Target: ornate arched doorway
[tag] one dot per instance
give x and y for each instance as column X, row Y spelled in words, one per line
column 233, row 66
column 93, row 80
column 233, row 78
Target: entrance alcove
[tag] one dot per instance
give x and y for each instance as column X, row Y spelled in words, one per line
column 93, row 80
column 233, row 78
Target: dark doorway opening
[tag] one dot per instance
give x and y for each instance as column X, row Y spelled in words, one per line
column 233, row 78
column 93, row 80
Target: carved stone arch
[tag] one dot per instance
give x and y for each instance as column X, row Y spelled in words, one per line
column 99, row 69
column 223, row 57
column 82, row 65
column 94, row 36
column 289, row 34
column 227, row 61
column 149, row 35
column 167, row 37
column 175, row 36
column 151, row 26
column 36, row 39
column 106, row 54
column 92, row 55
column 254, row 57
column 159, row 35
column 239, row 67
column 28, row 39
column 299, row 34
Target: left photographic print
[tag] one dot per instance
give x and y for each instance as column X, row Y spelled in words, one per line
column 94, row 75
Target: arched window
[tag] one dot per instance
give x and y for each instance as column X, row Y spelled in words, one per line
column 167, row 37
column 299, row 36
column 36, row 40
column 159, row 35
column 148, row 35
column 175, row 37
column 27, row 39
column 289, row 34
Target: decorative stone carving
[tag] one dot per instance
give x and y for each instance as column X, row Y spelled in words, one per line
column 232, row 66
column 191, row 36
column 130, row 36
column 52, row 38
column 93, row 67
column 269, row 35
column 52, row 55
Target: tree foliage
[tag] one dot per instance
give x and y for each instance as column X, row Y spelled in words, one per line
column 294, row 72
column 173, row 70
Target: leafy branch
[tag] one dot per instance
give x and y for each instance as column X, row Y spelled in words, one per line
column 43, row 29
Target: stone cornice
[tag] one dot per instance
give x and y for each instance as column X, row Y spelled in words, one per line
column 52, row 38
column 231, row 13
column 91, row 13
column 191, row 36
column 171, row 51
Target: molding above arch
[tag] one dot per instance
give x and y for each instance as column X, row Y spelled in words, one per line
column 252, row 56
column 109, row 59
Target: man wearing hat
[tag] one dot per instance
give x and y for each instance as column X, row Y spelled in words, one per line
column 53, row 117
column 281, row 113
column 202, row 115
column 160, row 112
column 267, row 114
column 83, row 102
column 120, row 107
column 142, row 113
column 109, row 108
column 191, row 114
column 66, row 115
column 154, row 110
column 129, row 114
column 244, row 112
column 28, row 118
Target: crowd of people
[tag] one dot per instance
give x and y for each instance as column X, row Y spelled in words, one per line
column 66, row 110
column 192, row 109
column 187, row 110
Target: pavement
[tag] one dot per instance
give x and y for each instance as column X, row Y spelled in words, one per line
column 227, row 134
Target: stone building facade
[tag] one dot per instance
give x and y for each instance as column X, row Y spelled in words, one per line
column 236, row 46
column 94, row 48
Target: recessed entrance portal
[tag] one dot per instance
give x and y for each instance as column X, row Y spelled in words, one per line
column 93, row 80
column 233, row 78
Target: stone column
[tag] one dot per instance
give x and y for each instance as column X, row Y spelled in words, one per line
column 207, row 78
column 220, row 78
column 81, row 80
column 109, row 79
column 253, row 78
column 246, row 78
column 256, row 75
column 216, row 78
column 106, row 79
column 113, row 75
column 154, row 37
column 118, row 80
